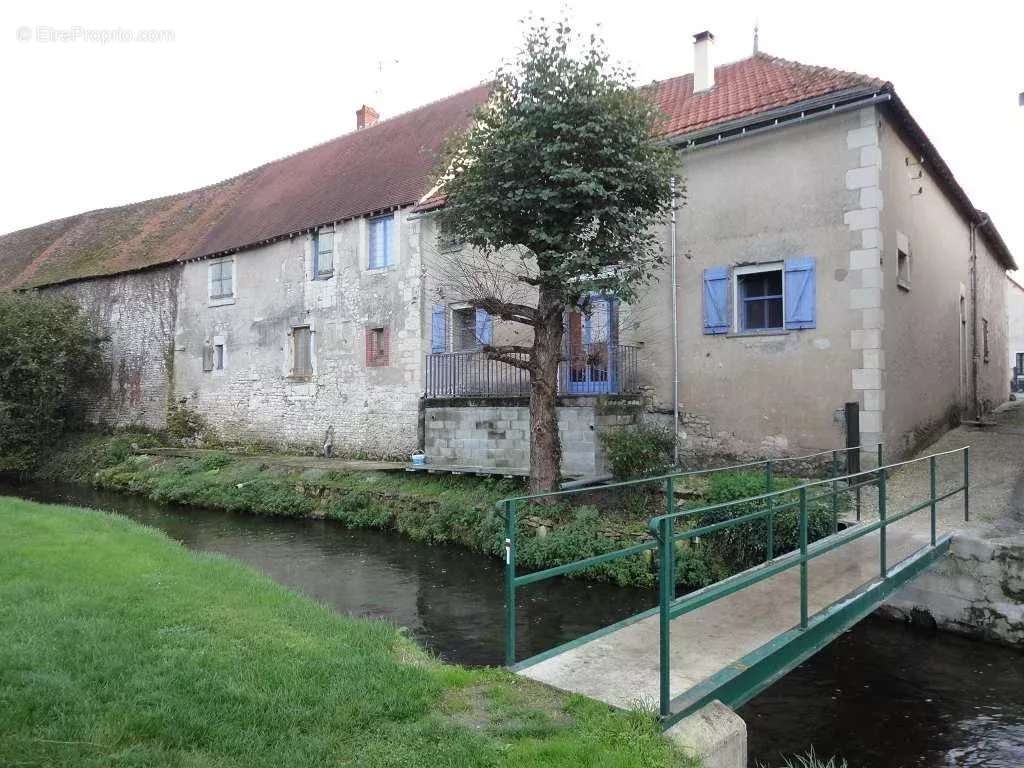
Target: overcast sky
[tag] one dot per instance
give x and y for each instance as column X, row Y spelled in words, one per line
column 88, row 124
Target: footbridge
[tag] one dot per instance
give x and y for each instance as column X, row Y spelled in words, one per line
column 833, row 550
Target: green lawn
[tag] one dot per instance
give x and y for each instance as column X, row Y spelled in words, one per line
column 118, row 647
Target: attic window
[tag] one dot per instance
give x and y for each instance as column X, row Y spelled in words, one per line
column 904, row 262
column 323, row 252
column 221, row 281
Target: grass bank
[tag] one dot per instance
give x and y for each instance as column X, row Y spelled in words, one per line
column 435, row 509
column 119, row 647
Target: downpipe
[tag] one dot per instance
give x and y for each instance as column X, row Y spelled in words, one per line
column 675, row 329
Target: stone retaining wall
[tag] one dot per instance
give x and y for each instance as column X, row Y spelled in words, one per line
column 977, row 590
column 495, row 432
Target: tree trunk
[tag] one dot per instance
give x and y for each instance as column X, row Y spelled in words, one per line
column 545, row 447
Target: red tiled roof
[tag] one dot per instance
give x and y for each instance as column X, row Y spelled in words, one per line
column 748, row 87
column 387, row 165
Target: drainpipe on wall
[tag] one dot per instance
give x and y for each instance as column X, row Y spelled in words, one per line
column 974, row 314
column 675, row 330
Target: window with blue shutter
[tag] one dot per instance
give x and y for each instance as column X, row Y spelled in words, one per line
column 716, row 300
column 382, row 241
column 484, row 327
column 800, row 293
column 437, row 329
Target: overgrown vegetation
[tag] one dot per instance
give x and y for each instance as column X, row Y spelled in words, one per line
column 49, row 359
column 810, row 760
column 120, row 648
column 446, row 509
column 643, row 451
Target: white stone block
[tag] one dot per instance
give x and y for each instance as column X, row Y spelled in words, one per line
column 874, row 358
column 864, row 298
column 872, row 278
column 874, row 399
column 871, row 238
column 871, row 197
column 867, row 378
column 715, row 734
column 864, row 218
column 866, row 339
column 858, row 178
column 873, row 318
column 868, row 258
column 866, row 116
column 864, row 136
column 871, row 421
column 871, row 155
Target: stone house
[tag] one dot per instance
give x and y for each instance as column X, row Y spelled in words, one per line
column 825, row 255
column 1015, row 332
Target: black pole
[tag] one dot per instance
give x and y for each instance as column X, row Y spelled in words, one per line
column 852, row 437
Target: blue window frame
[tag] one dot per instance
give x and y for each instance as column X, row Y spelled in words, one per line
column 382, row 241
column 323, row 252
column 759, row 297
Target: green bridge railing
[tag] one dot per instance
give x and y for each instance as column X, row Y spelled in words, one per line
column 773, row 502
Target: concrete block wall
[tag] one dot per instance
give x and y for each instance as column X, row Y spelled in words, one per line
column 496, row 433
column 135, row 312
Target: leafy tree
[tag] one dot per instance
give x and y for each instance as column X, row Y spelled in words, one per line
column 49, row 359
column 556, row 186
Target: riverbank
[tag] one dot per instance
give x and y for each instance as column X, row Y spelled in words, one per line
column 119, row 647
column 431, row 509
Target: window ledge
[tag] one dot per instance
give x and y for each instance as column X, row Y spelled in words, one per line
column 380, row 270
column 299, row 377
column 757, row 334
column 903, row 285
column 323, row 276
column 223, row 301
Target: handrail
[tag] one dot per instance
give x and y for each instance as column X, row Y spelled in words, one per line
column 664, row 540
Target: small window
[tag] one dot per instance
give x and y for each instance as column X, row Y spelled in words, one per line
column 984, row 339
column 464, row 338
column 323, row 252
column 903, row 269
column 376, row 347
column 759, row 300
column 302, row 351
column 222, row 279
column 449, row 243
column 382, row 241
column 218, row 357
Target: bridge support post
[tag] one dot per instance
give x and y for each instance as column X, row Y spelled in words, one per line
column 881, row 518
column 715, row 734
column 666, row 591
column 931, row 489
column 803, row 558
column 510, row 583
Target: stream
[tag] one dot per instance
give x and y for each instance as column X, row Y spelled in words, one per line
column 883, row 695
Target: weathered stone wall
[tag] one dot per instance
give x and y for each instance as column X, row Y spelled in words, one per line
column 976, row 590
column 256, row 397
column 135, row 313
column 496, row 432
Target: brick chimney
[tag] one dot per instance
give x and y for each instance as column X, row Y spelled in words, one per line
column 703, row 61
column 365, row 117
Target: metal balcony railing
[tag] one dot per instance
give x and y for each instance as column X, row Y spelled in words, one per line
column 596, row 369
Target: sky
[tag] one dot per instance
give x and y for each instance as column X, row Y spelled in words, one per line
column 96, row 117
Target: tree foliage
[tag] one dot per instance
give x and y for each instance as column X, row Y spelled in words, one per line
column 49, row 359
column 556, row 186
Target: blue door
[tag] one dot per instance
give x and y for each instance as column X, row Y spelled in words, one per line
column 591, row 333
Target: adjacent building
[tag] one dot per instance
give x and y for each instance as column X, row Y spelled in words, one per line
column 825, row 255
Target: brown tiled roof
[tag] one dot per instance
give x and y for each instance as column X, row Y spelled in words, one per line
column 387, row 165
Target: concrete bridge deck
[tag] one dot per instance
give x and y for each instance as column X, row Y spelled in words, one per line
column 621, row 667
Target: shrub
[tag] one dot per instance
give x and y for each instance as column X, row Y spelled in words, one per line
column 50, row 360
column 185, row 425
column 743, row 546
column 638, row 452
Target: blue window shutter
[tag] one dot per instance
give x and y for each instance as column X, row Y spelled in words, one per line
column 484, row 326
column 437, row 330
column 800, row 293
column 716, row 300
column 389, row 240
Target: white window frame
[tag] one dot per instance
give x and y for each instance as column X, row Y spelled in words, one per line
column 321, row 274
column 218, row 341
column 753, row 269
column 370, row 266
column 221, row 300
column 292, row 349
column 452, row 329
column 903, row 246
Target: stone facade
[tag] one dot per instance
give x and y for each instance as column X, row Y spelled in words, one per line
column 496, row 433
column 135, row 312
column 257, row 396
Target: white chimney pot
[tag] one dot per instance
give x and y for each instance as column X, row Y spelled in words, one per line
column 703, row 61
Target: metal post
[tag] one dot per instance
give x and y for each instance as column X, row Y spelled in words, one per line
column 880, row 462
column 510, row 583
column 881, row 517
column 770, row 545
column 803, row 558
column 967, row 483
column 931, row 488
column 664, row 628
column 835, row 491
column 670, row 507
